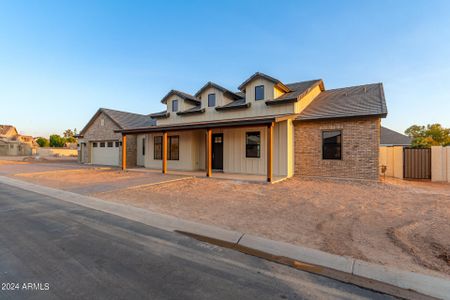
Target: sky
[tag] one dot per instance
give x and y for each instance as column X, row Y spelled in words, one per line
column 62, row 60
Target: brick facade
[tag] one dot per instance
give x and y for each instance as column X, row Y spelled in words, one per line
column 360, row 148
column 97, row 132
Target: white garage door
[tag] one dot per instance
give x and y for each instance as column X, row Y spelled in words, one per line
column 105, row 153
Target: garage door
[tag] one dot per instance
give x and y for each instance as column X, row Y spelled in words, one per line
column 105, row 153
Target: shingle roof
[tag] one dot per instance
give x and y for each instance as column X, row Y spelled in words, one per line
column 182, row 95
column 394, row 138
column 298, row 90
column 193, row 110
column 124, row 120
column 234, row 105
column 267, row 77
column 362, row 100
column 129, row 120
column 4, row 129
column 231, row 94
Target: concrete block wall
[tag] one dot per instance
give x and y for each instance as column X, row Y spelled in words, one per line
column 360, row 148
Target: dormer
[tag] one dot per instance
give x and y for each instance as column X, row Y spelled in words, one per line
column 262, row 87
column 213, row 95
column 177, row 102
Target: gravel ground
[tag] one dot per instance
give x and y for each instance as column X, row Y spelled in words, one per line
column 399, row 223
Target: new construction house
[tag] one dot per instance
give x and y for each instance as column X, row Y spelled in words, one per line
column 266, row 127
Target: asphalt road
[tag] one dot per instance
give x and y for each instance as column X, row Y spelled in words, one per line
column 51, row 249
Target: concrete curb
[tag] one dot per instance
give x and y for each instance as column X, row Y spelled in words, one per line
column 424, row 284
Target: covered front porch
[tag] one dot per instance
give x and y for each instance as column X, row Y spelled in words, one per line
column 259, row 149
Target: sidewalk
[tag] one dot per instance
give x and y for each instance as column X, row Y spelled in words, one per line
column 377, row 277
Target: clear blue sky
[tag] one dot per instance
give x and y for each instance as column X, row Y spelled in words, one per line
column 62, row 60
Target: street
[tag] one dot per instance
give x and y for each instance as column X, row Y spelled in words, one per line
column 50, row 249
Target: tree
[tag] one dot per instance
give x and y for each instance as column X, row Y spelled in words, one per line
column 42, row 142
column 69, row 135
column 427, row 136
column 57, row 141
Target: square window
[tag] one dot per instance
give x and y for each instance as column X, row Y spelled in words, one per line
column 174, row 105
column 259, row 92
column 253, row 144
column 332, row 144
column 110, row 144
column 211, row 100
column 94, row 145
column 102, row 144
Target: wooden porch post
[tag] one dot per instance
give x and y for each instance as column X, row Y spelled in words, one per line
column 124, row 152
column 164, row 153
column 269, row 151
column 209, row 152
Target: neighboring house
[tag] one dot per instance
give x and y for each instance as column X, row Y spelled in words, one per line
column 100, row 144
column 14, row 144
column 393, row 138
column 266, row 128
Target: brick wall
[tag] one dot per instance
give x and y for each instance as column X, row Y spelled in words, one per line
column 360, row 148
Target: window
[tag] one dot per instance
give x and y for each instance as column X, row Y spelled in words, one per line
column 331, row 144
column 102, row 144
column 94, row 145
column 110, row 144
column 157, row 147
column 259, row 92
column 253, row 144
column 174, row 149
column 211, row 100
column 143, row 146
column 174, row 105
column 117, row 144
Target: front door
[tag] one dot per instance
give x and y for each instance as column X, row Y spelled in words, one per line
column 217, row 151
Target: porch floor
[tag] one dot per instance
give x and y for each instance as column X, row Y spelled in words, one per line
column 215, row 175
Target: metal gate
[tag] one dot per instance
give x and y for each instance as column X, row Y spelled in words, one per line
column 416, row 163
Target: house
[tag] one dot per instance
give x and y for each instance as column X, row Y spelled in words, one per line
column 14, row 144
column 267, row 127
column 99, row 143
column 393, row 138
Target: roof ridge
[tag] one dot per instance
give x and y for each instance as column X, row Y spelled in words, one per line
column 354, row 86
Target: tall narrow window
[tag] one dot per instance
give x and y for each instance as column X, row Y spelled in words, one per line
column 332, row 144
column 174, row 147
column 157, row 148
column 253, row 144
column 174, row 105
column 259, row 92
column 143, row 146
column 211, row 100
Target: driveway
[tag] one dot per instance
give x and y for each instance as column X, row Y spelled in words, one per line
column 70, row 252
column 83, row 179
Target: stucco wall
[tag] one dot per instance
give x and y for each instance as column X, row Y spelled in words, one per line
column 360, row 149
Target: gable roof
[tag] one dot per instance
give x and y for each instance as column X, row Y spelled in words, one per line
column 182, row 95
column 355, row 101
column 298, row 90
column 227, row 92
column 394, row 138
column 7, row 130
column 123, row 119
column 278, row 83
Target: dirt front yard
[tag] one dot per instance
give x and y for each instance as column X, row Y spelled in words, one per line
column 398, row 223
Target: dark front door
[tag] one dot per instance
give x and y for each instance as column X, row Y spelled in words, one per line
column 217, row 151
